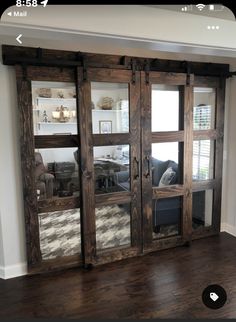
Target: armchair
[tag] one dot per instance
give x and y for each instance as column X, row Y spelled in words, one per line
column 44, row 180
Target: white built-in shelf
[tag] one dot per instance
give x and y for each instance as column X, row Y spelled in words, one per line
column 105, row 111
column 55, row 123
column 55, row 99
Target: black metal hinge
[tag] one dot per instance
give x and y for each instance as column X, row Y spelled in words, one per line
column 84, row 65
column 125, row 61
column 39, row 53
column 24, row 72
column 188, row 71
column 230, row 74
column 80, row 57
column 133, row 67
column 147, row 69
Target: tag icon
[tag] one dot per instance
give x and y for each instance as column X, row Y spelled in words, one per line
column 214, row 296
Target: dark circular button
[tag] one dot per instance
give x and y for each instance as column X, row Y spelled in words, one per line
column 214, row 296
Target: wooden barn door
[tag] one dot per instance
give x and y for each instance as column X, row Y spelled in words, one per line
column 166, row 100
column 109, row 119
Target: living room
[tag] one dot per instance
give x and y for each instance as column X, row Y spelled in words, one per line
column 133, row 151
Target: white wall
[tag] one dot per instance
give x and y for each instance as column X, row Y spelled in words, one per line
column 11, row 203
column 1, row 250
column 229, row 168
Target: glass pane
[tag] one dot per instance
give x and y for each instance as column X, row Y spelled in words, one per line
column 113, row 226
column 59, row 233
column 54, row 108
column 111, row 167
column 110, row 107
column 204, row 108
column 56, row 173
column 202, row 209
column 203, row 160
column 166, row 168
column 166, row 214
column 165, row 108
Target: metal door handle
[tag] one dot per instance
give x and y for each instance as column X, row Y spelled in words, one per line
column 147, row 174
column 136, row 176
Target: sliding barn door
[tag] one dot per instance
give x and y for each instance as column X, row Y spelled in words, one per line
column 166, row 158
column 109, row 121
column 208, row 129
column 51, row 182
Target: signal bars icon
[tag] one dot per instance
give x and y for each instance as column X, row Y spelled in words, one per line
column 187, row 8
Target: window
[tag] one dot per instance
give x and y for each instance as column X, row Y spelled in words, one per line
column 203, row 159
column 165, row 108
column 204, row 108
column 202, row 117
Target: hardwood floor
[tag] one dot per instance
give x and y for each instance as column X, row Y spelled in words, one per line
column 165, row 284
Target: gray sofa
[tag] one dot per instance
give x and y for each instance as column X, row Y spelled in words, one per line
column 167, row 211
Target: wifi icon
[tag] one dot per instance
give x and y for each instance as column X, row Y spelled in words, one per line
column 200, row 6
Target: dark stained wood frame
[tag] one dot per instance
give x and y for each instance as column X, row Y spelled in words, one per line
column 217, row 134
column 41, row 57
column 90, row 140
column 88, row 229
column 28, row 143
column 185, row 136
column 81, row 68
column 27, row 168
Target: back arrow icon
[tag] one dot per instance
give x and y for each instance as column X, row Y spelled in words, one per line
column 18, row 39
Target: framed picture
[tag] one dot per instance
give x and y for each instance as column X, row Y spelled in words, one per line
column 105, row 127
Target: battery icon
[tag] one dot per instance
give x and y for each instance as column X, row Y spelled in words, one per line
column 213, row 7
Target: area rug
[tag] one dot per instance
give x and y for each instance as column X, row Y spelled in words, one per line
column 60, row 230
column 166, row 231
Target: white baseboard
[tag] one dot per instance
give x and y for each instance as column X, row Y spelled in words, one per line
column 13, row 271
column 2, row 272
column 21, row 269
column 228, row 229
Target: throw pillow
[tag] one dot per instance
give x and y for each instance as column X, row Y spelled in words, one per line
column 167, row 177
column 158, row 168
column 175, row 168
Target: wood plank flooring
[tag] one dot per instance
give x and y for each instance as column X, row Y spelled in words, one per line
column 165, row 284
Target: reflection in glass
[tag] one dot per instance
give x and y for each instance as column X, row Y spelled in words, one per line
column 59, row 233
column 56, row 173
column 202, row 209
column 165, row 108
column 165, row 164
column 54, row 108
column 203, row 159
column 204, row 108
column 113, row 226
column 110, row 107
column 111, row 167
column 166, row 217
